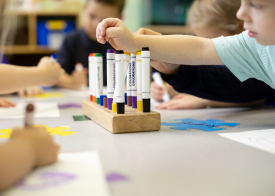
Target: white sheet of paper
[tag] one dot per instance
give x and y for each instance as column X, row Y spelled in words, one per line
column 261, row 139
column 75, row 93
column 43, row 109
column 74, row 174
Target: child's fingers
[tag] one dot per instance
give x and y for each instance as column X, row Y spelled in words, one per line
column 10, row 103
column 21, row 93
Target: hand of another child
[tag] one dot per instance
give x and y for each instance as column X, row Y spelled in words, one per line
column 156, row 91
column 162, row 67
column 40, row 142
column 6, row 103
column 116, row 33
column 184, row 101
column 79, row 78
column 31, row 91
column 50, row 71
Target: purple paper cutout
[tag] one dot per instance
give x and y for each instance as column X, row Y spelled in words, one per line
column 115, row 177
column 69, row 105
column 48, row 180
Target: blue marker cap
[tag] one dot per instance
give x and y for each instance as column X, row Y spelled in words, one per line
column 101, row 99
column 125, row 98
column 54, row 56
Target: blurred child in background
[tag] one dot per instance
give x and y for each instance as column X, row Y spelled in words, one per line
column 79, row 44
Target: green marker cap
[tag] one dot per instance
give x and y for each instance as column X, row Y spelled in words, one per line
column 98, row 100
column 98, row 55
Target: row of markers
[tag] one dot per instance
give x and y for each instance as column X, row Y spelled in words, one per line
column 121, row 65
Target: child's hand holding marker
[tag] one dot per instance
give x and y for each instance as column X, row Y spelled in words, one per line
column 30, row 91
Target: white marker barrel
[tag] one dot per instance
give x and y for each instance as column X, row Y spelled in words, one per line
column 99, row 76
column 120, row 81
column 127, row 59
column 94, row 76
column 134, row 81
column 111, row 77
column 146, row 94
column 91, row 80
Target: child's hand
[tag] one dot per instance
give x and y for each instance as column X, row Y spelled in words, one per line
column 49, row 71
column 31, row 91
column 116, row 33
column 6, row 103
column 157, row 91
column 40, row 142
column 79, row 78
column 184, row 101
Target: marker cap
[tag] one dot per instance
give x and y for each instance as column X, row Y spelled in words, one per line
column 125, row 98
column 110, row 101
column 91, row 54
column 145, row 49
column 139, row 106
column 98, row 101
column 119, row 52
column 138, row 53
column 105, row 102
column 101, row 100
column 98, row 55
column 54, row 56
column 91, row 98
column 110, row 51
column 146, row 105
column 134, row 102
column 114, row 107
column 120, row 108
column 127, row 53
column 94, row 99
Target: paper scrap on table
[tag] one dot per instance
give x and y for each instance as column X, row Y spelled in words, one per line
column 44, row 109
column 205, row 125
column 6, row 133
column 69, row 105
column 47, row 95
column 81, row 118
column 261, row 139
column 74, row 174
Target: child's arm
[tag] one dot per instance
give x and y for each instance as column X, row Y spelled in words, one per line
column 74, row 81
column 14, row 78
column 176, row 49
column 28, row 148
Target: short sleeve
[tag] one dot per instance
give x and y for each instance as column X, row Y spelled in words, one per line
column 240, row 54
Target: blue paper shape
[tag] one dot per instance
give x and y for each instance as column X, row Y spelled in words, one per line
column 208, row 125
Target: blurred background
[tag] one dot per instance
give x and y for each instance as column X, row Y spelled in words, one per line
column 43, row 24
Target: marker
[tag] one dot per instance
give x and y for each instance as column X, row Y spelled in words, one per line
column 139, row 82
column 129, row 84
column 53, row 58
column 99, row 76
column 111, row 76
column 120, row 79
column 94, row 77
column 102, row 99
column 127, row 62
column 29, row 115
column 105, row 102
column 146, row 94
column 91, row 79
column 134, row 81
column 157, row 78
column 79, row 67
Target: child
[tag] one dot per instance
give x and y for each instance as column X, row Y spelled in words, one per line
column 249, row 54
column 209, row 19
column 79, row 44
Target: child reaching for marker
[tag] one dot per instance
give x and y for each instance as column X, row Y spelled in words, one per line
column 247, row 55
column 79, row 44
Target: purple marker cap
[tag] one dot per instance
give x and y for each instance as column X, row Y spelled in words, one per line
column 134, row 102
column 110, row 101
column 110, row 51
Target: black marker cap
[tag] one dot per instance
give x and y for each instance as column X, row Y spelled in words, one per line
column 146, row 105
column 145, row 49
column 121, row 108
column 119, row 52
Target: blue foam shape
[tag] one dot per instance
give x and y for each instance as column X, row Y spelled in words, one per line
column 208, row 125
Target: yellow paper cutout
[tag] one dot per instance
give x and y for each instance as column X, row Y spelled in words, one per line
column 7, row 133
column 47, row 95
column 52, row 131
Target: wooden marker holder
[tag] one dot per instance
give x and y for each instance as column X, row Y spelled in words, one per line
column 130, row 122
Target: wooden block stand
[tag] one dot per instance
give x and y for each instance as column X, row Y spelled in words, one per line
column 130, row 122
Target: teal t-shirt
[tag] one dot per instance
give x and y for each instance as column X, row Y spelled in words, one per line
column 245, row 58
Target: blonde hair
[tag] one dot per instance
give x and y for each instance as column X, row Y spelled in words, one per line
column 8, row 23
column 219, row 14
